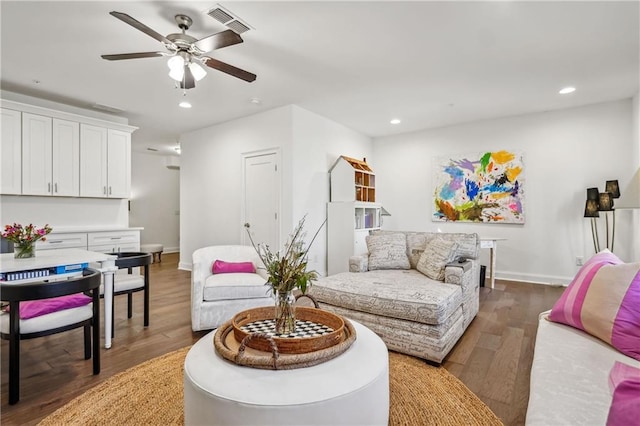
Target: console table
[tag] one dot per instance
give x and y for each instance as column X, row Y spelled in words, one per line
column 352, row 388
column 492, row 245
column 53, row 258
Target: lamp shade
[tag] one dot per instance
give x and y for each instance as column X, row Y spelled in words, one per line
column 591, row 209
column 605, row 202
column 612, row 188
column 593, row 194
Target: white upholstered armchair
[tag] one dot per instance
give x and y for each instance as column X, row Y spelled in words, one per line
column 216, row 298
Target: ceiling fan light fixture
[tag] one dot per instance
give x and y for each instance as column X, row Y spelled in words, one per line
column 184, row 104
column 176, row 67
column 198, row 72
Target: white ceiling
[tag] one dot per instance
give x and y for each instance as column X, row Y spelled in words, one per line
column 358, row 63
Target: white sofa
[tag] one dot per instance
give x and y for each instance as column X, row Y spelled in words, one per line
column 570, row 376
column 216, row 298
column 413, row 314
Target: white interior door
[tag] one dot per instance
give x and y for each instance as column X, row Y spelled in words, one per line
column 262, row 199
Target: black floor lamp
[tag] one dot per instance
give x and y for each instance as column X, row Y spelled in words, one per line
column 591, row 211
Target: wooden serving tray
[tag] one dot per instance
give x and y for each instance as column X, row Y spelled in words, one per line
column 229, row 348
column 290, row 345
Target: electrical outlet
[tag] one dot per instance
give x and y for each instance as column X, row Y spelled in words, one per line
column 579, row 260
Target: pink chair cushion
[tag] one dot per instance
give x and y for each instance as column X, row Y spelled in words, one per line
column 36, row 308
column 222, row 267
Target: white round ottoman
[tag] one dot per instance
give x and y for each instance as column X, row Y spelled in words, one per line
column 154, row 249
column 351, row 389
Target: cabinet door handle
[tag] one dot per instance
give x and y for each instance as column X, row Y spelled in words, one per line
column 104, row 190
column 116, row 238
column 49, row 187
column 55, row 187
column 109, row 190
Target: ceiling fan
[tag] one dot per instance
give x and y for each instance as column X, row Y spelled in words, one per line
column 186, row 52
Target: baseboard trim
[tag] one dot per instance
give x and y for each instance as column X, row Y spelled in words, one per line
column 551, row 280
column 184, row 266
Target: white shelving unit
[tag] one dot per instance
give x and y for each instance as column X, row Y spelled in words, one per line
column 349, row 223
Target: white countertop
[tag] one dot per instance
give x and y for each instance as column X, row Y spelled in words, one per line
column 96, row 228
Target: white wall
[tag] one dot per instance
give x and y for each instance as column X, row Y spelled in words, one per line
column 211, row 175
column 211, row 178
column 317, row 144
column 565, row 152
column 155, row 200
column 62, row 212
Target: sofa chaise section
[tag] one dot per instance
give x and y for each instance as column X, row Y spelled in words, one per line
column 411, row 312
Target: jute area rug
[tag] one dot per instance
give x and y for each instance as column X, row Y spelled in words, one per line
column 152, row 394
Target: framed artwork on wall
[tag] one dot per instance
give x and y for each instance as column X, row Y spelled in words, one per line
column 485, row 187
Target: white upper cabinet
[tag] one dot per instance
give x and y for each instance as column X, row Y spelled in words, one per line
column 66, row 158
column 46, row 152
column 36, row 155
column 105, row 162
column 118, row 164
column 93, row 161
column 50, row 156
column 11, row 152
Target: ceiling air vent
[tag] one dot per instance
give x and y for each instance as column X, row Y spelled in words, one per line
column 238, row 26
column 220, row 15
column 227, row 18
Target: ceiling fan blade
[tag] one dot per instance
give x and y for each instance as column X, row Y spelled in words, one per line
column 188, row 81
column 218, row 41
column 229, row 69
column 140, row 26
column 120, row 56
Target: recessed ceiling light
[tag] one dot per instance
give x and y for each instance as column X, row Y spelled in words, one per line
column 255, row 101
column 566, row 90
column 184, row 104
column 395, row 121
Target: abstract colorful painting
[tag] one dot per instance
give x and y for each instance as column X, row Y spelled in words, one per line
column 484, row 187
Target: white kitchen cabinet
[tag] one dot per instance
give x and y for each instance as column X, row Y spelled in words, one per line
column 100, row 241
column 66, row 158
column 348, row 224
column 113, row 241
column 93, row 161
column 36, row 154
column 11, row 152
column 46, row 152
column 118, row 164
column 105, row 162
column 50, row 156
column 63, row 241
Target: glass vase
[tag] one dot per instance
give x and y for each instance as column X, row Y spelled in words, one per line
column 285, row 320
column 24, row 250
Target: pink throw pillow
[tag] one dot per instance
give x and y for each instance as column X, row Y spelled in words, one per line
column 604, row 300
column 222, row 267
column 36, row 308
column 625, row 407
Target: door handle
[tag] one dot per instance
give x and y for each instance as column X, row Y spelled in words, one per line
column 49, row 187
column 109, row 190
column 104, row 190
column 55, row 187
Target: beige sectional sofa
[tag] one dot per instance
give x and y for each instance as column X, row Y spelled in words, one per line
column 412, row 313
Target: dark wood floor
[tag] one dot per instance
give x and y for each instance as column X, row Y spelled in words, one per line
column 493, row 358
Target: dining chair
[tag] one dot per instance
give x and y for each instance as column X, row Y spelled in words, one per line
column 51, row 310
column 131, row 283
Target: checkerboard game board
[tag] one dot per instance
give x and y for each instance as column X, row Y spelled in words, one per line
column 303, row 329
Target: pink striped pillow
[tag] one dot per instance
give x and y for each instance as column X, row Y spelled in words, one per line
column 604, row 300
